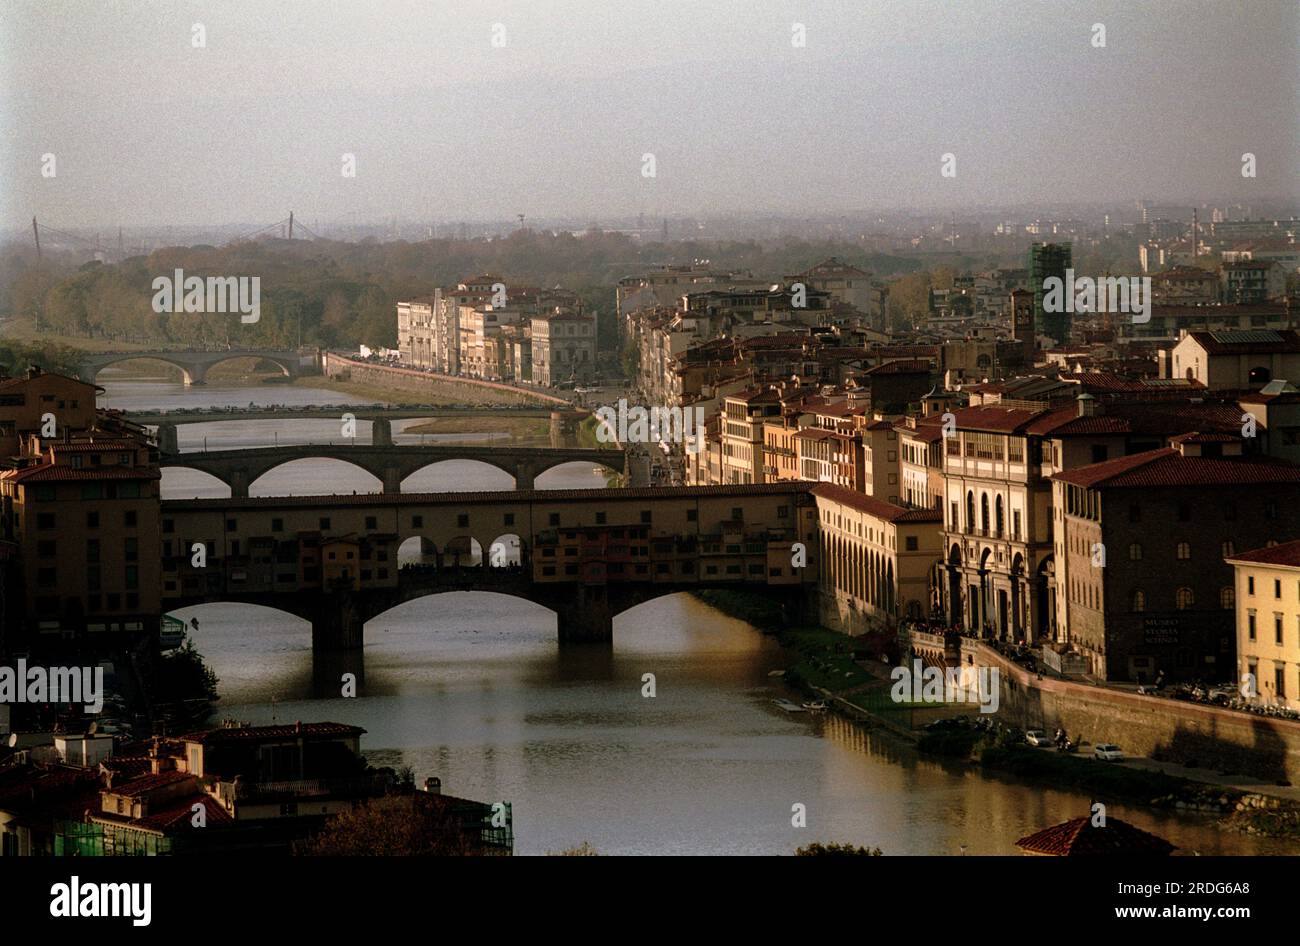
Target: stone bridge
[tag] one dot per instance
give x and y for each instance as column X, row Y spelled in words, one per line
column 195, row 365
column 587, row 555
column 390, row 464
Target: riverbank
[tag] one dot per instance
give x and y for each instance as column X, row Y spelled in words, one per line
column 850, row 677
column 525, row 431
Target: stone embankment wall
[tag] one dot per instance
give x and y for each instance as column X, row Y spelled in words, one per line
column 423, row 382
column 1165, row 729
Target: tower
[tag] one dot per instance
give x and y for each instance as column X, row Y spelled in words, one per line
column 1045, row 261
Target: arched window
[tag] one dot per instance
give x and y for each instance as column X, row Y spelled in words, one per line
column 1135, row 552
column 1184, row 551
column 970, row 510
column 998, row 518
column 1184, row 599
column 984, row 512
column 1139, row 601
column 1260, row 375
column 1227, row 595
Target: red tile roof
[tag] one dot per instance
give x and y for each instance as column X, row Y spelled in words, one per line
column 900, row 366
column 1287, row 554
column 890, row 512
column 1168, row 467
column 148, row 783
column 994, row 418
column 1154, row 419
column 1078, row 837
column 52, row 473
column 255, row 733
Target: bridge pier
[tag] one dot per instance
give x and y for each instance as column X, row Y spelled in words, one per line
column 585, row 617
column 525, row 476
column 239, row 484
column 381, row 432
column 392, row 480
column 338, row 622
column 168, row 442
column 196, row 375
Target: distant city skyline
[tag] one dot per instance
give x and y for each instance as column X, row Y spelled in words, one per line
column 147, row 130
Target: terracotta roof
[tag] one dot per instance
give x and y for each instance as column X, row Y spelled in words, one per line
column 992, row 417
column 890, row 512
column 900, row 366
column 1078, row 837
column 1287, row 554
column 51, row 473
column 822, row 433
column 181, row 814
column 1154, row 419
column 148, row 783
column 92, row 446
column 255, row 733
column 1168, row 467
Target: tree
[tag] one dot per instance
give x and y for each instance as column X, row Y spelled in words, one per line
column 837, row 850
column 396, row 826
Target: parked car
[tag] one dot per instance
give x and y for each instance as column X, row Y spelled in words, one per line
column 1036, row 737
column 1108, row 752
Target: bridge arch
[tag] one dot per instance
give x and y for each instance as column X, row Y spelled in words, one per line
column 507, row 550
column 191, row 482
column 286, row 368
column 424, row 476
column 259, row 475
column 546, row 472
column 91, row 372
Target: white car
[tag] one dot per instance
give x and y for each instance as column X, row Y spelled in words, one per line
column 1108, row 752
column 1036, row 737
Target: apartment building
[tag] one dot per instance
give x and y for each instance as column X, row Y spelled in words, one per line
column 741, row 433
column 563, row 346
column 1000, row 575
column 920, row 461
column 81, row 516
column 1266, row 587
column 875, row 558
column 1143, row 544
column 1253, row 281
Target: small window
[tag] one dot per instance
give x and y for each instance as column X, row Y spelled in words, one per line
column 1184, row 599
column 1135, row 552
column 1184, row 551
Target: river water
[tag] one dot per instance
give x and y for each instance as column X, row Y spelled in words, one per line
column 473, row 688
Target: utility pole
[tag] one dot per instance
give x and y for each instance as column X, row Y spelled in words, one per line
column 37, row 234
column 290, row 224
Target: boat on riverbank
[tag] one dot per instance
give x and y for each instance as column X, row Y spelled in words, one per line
column 789, row 707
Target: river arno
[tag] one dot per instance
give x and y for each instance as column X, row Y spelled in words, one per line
column 473, row 688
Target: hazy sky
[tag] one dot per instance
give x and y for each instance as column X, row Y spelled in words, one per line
column 147, row 129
